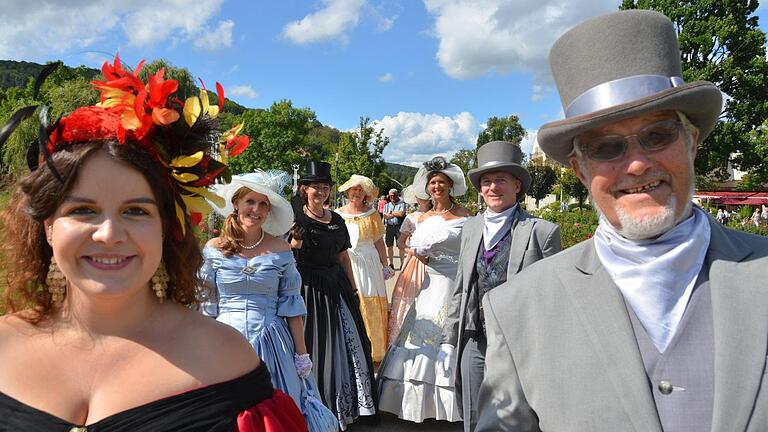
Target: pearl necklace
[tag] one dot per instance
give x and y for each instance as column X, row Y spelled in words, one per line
column 253, row 246
column 442, row 212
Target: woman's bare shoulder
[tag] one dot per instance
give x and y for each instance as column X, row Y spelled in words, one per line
column 221, row 352
column 462, row 212
column 214, row 242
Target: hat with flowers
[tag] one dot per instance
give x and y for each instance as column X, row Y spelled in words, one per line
column 179, row 135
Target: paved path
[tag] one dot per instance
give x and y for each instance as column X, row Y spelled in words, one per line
column 390, row 423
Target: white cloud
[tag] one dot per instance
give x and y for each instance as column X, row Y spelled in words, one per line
column 386, row 23
column 526, row 144
column 331, row 22
column 416, row 137
column 478, row 37
column 39, row 29
column 245, row 91
column 213, row 40
column 387, row 77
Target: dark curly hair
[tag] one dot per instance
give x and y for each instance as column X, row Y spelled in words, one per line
column 26, row 254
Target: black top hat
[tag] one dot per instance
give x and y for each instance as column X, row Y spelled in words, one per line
column 501, row 156
column 618, row 66
column 316, row 172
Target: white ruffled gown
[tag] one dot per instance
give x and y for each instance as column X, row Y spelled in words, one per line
column 410, row 382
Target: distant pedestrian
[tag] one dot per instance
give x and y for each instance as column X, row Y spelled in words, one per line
column 394, row 215
column 380, row 206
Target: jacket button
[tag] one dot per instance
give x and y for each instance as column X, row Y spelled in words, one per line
column 665, row 387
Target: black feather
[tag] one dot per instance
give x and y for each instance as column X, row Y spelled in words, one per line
column 43, row 141
column 33, row 156
column 15, row 121
column 47, row 70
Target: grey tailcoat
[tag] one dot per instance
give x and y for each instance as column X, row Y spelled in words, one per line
column 562, row 354
column 532, row 240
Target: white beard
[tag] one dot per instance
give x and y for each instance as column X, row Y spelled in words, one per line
column 635, row 228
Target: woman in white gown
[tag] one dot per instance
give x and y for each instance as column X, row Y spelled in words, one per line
column 411, row 384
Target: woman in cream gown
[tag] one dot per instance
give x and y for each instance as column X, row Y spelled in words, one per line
column 368, row 258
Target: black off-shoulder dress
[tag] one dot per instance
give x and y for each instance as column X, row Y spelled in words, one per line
column 246, row 404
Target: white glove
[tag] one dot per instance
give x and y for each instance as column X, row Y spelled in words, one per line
column 303, row 365
column 445, row 358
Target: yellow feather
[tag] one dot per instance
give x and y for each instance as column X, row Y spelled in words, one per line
column 184, row 177
column 180, row 218
column 205, row 193
column 192, row 110
column 187, row 161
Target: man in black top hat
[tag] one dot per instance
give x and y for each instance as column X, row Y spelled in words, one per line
column 655, row 323
column 496, row 244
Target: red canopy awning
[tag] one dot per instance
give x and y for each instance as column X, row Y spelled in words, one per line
column 733, row 198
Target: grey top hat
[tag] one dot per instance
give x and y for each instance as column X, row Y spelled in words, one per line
column 617, row 66
column 501, row 156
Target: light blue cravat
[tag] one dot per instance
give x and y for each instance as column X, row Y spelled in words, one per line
column 656, row 277
column 496, row 225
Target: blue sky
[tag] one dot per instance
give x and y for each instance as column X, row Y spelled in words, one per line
column 429, row 72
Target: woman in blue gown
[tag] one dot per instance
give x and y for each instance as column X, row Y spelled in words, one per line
column 258, row 289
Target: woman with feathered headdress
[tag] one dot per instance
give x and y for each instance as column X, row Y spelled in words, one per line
column 100, row 264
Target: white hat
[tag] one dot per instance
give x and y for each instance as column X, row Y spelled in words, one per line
column 438, row 163
column 370, row 190
column 410, row 193
column 270, row 183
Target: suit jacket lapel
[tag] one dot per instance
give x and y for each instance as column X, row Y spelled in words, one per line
column 473, row 229
column 601, row 305
column 739, row 311
column 521, row 233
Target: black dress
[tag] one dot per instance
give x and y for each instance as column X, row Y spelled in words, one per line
column 241, row 404
column 334, row 329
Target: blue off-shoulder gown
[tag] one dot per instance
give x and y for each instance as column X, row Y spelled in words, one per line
column 255, row 295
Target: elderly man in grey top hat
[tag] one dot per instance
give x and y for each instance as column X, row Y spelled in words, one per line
column 494, row 245
column 658, row 322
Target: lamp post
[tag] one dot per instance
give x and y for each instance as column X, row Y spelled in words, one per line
column 336, row 185
column 295, row 177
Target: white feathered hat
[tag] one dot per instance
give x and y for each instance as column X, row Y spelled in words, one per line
column 270, row 183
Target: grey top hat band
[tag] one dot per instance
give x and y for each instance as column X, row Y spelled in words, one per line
column 491, row 164
column 620, row 91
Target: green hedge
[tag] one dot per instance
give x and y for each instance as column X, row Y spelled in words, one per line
column 575, row 225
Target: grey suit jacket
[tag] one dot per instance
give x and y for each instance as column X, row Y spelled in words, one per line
column 532, row 240
column 562, row 354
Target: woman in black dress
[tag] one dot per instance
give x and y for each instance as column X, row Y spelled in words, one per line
column 334, row 330
column 100, row 265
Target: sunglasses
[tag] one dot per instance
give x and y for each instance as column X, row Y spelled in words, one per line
column 652, row 138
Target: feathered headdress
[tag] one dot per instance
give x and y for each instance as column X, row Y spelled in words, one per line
column 148, row 115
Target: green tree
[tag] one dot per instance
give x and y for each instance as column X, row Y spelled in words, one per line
column 573, row 186
column 278, row 138
column 720, row 41
column 360, row 152
column 502, row 129
column 185, row 78
column 543, row 178
column 466, row 159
